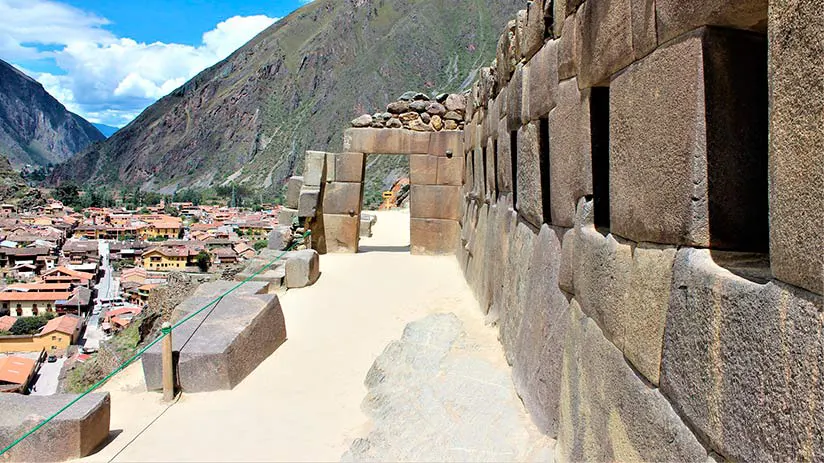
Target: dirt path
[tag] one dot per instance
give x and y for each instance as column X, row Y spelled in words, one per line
column 304, row 402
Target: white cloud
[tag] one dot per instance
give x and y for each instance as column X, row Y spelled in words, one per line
column 109, row 79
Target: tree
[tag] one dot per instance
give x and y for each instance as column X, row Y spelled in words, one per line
column 68, row 194
column 29, row 325
column 260, row 245
column 203, row 261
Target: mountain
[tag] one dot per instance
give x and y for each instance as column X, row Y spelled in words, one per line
column 14, row 190
column 35, row 128
column 106, row 130
column 296, row 86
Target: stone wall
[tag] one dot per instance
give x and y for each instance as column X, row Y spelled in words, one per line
column 643, row 219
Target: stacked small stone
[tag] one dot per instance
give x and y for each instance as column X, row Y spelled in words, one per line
column 417, row 111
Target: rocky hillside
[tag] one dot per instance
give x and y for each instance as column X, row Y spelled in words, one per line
column 14, row 190
column 35, row 128
column 296, row 86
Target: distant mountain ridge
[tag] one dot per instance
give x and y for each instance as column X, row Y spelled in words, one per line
column 35, row 128
column 249, row 118
column 106, row 130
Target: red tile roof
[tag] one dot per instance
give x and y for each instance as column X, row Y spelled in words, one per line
column 64, row 324
column 16, row 370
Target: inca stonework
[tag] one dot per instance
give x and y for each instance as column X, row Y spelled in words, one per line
column 643, row 218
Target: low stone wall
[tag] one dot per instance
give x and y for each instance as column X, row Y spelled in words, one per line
column 652, row 259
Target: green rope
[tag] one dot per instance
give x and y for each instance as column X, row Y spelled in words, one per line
column 163, row 334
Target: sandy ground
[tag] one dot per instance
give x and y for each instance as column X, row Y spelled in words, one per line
column 303, row 403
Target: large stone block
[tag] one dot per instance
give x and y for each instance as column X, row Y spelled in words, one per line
column 342, row 198
column 516, row 274
column 534, row 29
column 567, row 47
column 280, row 237
column 541, row 89
column 490, row 170
column 566, row 279
column 505, row 221
column 476, row 275
column 385, row 141
column 675, row 17
column 607, row 412
column 570, row 152
column 348, row 167
column 293, row 186
column 514, row 98
column 434, row 236
column 220, row 346
column 688, row 143
column 503, row 170
column 314, row 169
column 444, row 143
column 796, row 143
column 286, row 216
column 742, row 361
column 528, row 191
column 423, row 169
column 302, row 268
column 609, row 40
column 450, row 170
column 538, row 355
column 341, row 232
column 71, row 435
column 506, row 53
column 309, row 201
column 435, row 202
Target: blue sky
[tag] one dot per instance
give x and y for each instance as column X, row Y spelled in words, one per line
column 108, row 59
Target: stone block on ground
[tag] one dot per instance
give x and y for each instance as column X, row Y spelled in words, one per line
column 365, row 228
column 570, row 154
column 675, row 17
column 796, row 143
column 434, row 236
column 341, row 232
column 529, row 196
column 607, row 412
column 314, row 169
column 308, row 202
column 280, row 237
column 73, row 434
column 688, row 142
column 287, row 216
column 293, row 186
column 742, row 361
column 423, row 169
column 217, row 348
column 380, row 141
column 435, row 202
column 302, row 268
column 342, row 198
column 542, row 84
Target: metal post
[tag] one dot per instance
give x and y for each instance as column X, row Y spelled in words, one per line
column 168, row 366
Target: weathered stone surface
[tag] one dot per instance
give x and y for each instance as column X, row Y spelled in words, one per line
column 342, row 198
column 220, row 346
column 514, row 99
column 73, row 434
column 520, row 19
column 504, row 222
column 341, row 232
column 796, row 143
column 538, row 349
column 503, row 61
column 394, row 124
column 364, row 120
column 607, row 37
column 476, row 274
column 489, row 169
column 302, row 268
column 675, row 17
column 567, row 58
column 314, row 168
column 607, row 412
column 293, row 186
column 419, row 106
column 442, row 143
column 308, row 201
column 365, row 228
column 533, row 34
column 529, row 199
column 423, row 169
column 455, row 102
column 419, row 406
column 450, row 170
column 349, row 167
column 687, row 143
column 516, row 273
column 434, row 236
column 542, row 82
column 436, row 122
column 644, row 35
column 742, row 362
column 377, row 141
column 567, row 270
column 435, row 202
column 287, row 216
column 503, row 171
column 556, row 9
column 280, row 237
column 570, row 153
column 398, row 107
column 331, row 167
